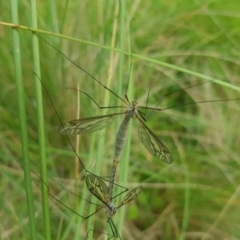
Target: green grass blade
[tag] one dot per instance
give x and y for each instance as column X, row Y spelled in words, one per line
column 23, row 121
column 40, row 122
column 123, row 165
column 187, row 198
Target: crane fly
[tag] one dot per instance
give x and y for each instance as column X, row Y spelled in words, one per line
column 100, row 190
column 88, row 125
column 151, row 142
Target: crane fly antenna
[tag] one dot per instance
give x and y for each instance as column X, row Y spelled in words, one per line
column 190, row 103
column 100, row 107
column 181, row 89
column 178, row 90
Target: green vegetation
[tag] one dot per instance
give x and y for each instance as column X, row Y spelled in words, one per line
column 197, row 196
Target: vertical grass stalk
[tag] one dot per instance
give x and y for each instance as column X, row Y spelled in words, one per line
column 40, row 119
column 187, row 195
column 125, row 156
column 23, row 121
column 100, row 161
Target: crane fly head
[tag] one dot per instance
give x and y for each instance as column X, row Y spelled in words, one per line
column 132, row 109
column 134, row 102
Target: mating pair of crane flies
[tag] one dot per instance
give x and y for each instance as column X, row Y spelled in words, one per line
column 88, row 125
column 152, row 143
column 99, row 189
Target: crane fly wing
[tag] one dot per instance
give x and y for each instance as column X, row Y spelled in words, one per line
column 98, row 188
column 153, row 144
column 87, row 125
column 132, row 194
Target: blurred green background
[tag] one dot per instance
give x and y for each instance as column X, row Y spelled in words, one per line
column 198, row 195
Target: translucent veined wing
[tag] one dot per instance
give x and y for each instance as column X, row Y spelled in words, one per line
column 98, row 188
column 132, row 194
column 87, row 125
column 153, row 144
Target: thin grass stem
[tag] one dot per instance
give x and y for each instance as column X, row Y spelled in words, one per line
column 99, row 161
column 187, row 199
column 23, row 121
column 124, row 165
column 40, row 123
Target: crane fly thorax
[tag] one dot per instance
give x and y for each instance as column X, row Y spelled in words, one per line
column 110, row 210
column 132, row 109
